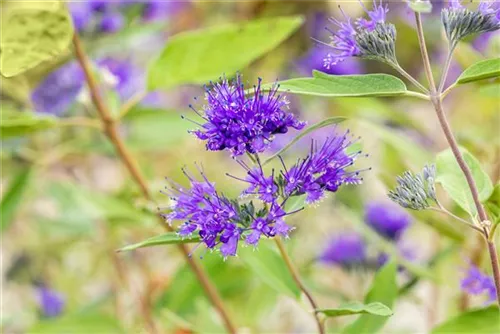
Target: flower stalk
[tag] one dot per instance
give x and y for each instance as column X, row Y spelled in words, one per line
column 436, row 100
column 111, row 131
column 296, row 278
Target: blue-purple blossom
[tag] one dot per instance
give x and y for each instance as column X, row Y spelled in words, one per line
column 388, row 219
column 161, row 9
column 55, row 94
column 324, row 169
column 477, row 283
column 51, row 302
column 241, row 123
column 219, row 221
column 321, row 60
column 368, row 37
column 111, row 22
column 347, row 250
column 129, row 79
column 81, row 13
column 264, row 187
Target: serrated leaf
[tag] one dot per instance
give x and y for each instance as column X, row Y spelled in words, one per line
column 322, row 84
column 319, row 125
column 32, row 32
column 13, row 196
column 265, row 263
column 195, row 57
column 377, row 309
column 486, row 69
column 383, row 290
column 451, row 177
column 169, row 238
column 20, row 124
column 485, row 320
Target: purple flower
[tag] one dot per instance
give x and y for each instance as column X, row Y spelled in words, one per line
column 51, row 302
column 221, row 222
column 476, row 283
column 324, row 169
column 243, row 124
column 372, row 37
column 111, row 22
column 319, row 59
column 128, row 77
column 388, row 219
column 81, row 14
column 55, row 94
column 346, row 250
column 264, row 187
column 99, row 5
column 161, row 9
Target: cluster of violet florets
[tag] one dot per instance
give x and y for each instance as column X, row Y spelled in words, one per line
column 243, row 124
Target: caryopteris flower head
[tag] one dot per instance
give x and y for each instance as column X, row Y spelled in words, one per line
column 51, row 302
column 220, row 222
column 324, row 169
column 347, row 250
column 415, row 191
column 368, row 38
column 460, row 22
column 241, row 123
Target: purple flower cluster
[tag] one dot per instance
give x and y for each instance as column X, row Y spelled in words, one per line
column 388, row 219
column 358, row 39
column 477, row 283
column 59, row 90
column 324, row 169
column 241, row 123
column 219, row 221
column 109, row 16
column 51, row 302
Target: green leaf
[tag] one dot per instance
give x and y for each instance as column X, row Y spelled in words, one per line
column 322, row 124
column 485, row 69
column 23, row 123
column 155, row 129
column 493, row 205
column 485, row 320
column 420, row 6
column 322, row 84
column 377, row 309
column 454, row 182
column 383, row 290
column 169, row 238
column 32, row 32
column 196, row 57
column 78, row 323
column 13, row 196
column 265, row 263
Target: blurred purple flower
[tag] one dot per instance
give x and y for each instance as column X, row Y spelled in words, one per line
column 51, row 302
column 324, row 169
column 111, row 22
column 476, row 283
column 81, row 14
column 242, row 124
column 388, row 219
column 161, row 9
column 404, row 252
column 129, row 78
column 55, row 94
column 347, row 250
column 100, row 5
